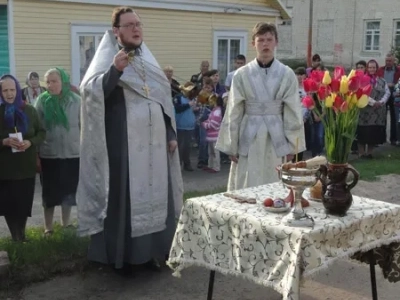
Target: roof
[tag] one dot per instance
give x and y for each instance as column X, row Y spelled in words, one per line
column 278, row 5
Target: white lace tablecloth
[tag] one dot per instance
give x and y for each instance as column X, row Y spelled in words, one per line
column 245, row 240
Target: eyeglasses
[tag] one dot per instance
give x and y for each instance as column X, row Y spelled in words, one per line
column 132, row 25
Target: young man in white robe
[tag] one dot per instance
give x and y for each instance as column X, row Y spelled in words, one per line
column 130, row 185
column 263, row 122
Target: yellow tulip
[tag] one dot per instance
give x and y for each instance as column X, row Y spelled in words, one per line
column 329, row 100
column 351, row 100
column 351, row 74
column 327, row 78
column 363, row 101
column 344, row 85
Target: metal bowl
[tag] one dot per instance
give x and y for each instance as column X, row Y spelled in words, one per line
column 298, row 177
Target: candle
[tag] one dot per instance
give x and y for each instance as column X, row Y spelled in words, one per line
column 15, row 128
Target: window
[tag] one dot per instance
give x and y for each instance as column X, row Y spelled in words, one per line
column 285, row 37
column 325, row 36
column 84, row 41
column 372, row 35
column 227, row 45
column 396, row 38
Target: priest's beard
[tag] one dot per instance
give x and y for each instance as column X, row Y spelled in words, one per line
column 129, row 45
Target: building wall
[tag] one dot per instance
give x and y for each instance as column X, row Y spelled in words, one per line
column 338, row 29
column 42, row 32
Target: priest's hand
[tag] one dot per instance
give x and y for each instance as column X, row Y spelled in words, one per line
column 121, row 60
column 289, row 157
column 234, row 158
column 172, row 146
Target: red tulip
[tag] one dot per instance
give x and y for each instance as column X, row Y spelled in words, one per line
column 367, row 90
column 359, row 93
column 344, row 107
column 308, row 102
column 338, row 102
column 317, row 76
column 310, row 86
column 364, row 81
column 359, row 73
column 338, row 73
column 323, row 92
column 335, row 85
column 354, row 83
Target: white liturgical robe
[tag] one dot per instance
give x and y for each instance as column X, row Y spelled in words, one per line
column 263, row 123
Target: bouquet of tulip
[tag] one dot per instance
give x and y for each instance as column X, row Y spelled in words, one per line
column 341, row 97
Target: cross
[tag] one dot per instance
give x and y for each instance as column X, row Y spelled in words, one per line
column 146, row 89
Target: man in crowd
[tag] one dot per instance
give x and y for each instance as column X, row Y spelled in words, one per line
column 198, row 78
column 240, row 61
column 391, row 73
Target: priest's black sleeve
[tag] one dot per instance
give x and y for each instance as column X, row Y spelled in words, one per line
column 110, row 80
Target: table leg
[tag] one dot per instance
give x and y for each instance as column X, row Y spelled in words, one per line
column 372, row 272
column 211, row 285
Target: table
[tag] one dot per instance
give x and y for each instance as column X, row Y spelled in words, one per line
column 245, row 240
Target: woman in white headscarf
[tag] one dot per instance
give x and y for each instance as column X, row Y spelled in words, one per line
column 33, row 88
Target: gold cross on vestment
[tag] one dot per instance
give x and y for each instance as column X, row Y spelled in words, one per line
column 146, row 89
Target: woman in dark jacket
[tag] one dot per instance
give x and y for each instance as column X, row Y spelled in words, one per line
column 20, row 133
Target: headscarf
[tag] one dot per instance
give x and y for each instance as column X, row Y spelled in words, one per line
column 53, row 105
column 372, row 76
column 14, row 115
column 35, row 91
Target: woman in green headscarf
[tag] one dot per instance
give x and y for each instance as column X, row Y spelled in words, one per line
column 59, row 111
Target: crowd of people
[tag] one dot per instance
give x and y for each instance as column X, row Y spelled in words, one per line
column 111, row 147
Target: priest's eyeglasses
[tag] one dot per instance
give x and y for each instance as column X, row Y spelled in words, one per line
column 132, row 25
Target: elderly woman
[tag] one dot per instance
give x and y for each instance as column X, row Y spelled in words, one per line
column 371, row 129
column 17, row 156
column 33, row 89
column 59, row 111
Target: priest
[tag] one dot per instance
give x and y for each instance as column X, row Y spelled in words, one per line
column 263, row 121
column 130, row 186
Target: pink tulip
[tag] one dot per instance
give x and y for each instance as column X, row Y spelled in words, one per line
column 308, row 102
column 338, row 73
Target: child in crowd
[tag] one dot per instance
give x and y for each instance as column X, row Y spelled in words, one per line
column 212, row 126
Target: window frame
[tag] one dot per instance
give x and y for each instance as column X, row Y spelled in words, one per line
column 230, row 34
column 396, row 32
column 365, row 32
column 77, row 30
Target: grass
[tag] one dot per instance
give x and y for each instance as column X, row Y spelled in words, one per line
column 386, row 161
column 42, row 258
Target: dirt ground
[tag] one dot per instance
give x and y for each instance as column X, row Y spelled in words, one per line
column 343, row 280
